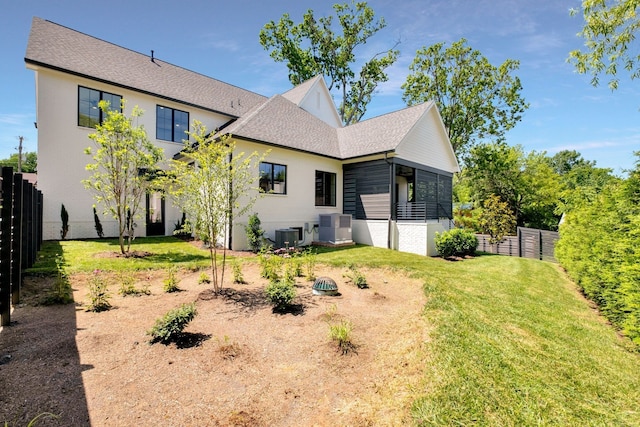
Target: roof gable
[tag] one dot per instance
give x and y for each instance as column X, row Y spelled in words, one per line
column 314, row 96
column 57, row 47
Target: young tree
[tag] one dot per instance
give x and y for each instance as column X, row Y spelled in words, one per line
column 496, row 219
column 212, row 183
column 123, row 158
column 609, row 34
column 476, row 99
column 312, row 47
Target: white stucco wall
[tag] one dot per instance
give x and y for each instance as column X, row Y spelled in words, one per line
column 61, row 158
column 297, row 207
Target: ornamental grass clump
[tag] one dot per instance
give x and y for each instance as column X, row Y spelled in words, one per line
column 340, row 334
column 169, row 327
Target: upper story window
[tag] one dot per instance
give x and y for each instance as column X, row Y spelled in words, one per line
column 171, row 124
column 89, row 113
column 325, row 188
column 273, row 178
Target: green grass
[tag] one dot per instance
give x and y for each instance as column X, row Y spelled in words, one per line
column 89, row 255
column 512, row 342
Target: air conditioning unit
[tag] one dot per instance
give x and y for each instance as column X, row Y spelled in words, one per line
column 335, row 228
column 286, row 238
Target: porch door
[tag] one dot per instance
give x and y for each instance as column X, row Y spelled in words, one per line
column 155, row 215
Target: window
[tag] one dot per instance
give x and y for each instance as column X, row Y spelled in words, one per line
column 89, row 113
column 171, row 124
column 325, row 188
column 273, row 178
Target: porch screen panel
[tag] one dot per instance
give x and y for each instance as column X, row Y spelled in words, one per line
column 366, row 190
column 426, row 191
column 445, row 193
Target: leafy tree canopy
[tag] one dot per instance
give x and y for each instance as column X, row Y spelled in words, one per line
column 29, row 162
column 476, row 99
column 123, row 152
column 609, row 33
column 313, row 47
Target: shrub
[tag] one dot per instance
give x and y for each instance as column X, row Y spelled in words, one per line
column 356, row 277
column 64, row 217
column 128, row 287
column 204, row 279
column 254, row 233
column 309, row 261
column 456, row 242
column 169, row 326
column 171, row 282
column 270, row 265
column 236, row 269
column 280, row 294
column 98, row 293
column 98, row 224
column 61, row 292
column 340, row 333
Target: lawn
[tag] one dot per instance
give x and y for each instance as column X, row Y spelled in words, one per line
column 512, row 341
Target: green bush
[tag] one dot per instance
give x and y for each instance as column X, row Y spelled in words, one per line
column 254, row 233
column 456, row 242
column 98, row 293
column 169, row 326
column 280, row 294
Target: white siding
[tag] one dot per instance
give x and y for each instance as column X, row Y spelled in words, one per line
column 318, row 102
column 61, row 157
column 428, row 144
column 295, row 208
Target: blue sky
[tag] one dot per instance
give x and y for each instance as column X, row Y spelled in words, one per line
column 220, row 39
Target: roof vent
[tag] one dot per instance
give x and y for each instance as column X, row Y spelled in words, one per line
column 152, row 57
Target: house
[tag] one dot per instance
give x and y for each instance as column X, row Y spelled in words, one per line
column 391, row 174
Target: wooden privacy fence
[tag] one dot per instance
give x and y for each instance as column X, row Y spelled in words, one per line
column 529, row 243
column 20, row 236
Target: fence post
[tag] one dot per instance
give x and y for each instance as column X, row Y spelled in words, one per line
column 5, row 246
column 16, row 250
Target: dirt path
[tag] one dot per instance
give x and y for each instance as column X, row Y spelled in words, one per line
column 241, row 364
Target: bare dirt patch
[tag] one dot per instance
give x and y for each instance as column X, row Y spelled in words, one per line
column 238, row 364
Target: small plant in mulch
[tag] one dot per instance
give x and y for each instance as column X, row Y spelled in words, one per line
column 61, row 292
column 356, row 277
column 98, row 293
column 227, row 348
column 280, row 294
column 236, row 269
column 128, row 286
column 309, row 263
column 171, row 282
column 204, row 279
column 340, row 334
column 169, row 327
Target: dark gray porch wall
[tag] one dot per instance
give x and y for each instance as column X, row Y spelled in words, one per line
column 369, row 190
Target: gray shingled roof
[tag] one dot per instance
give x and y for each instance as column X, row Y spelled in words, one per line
column 55, row 46
column 379, row 134
column 281, row 122
column 277, row 120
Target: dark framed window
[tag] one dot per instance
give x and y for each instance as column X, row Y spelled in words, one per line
column 325, row 188
column 171, row 124
column 89, row 112
column 273, row 178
